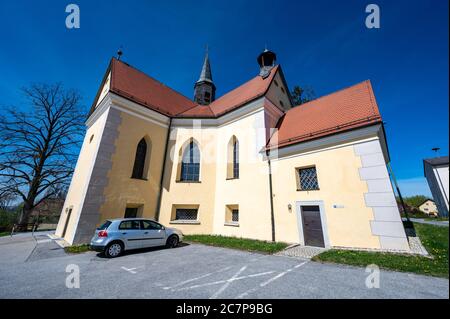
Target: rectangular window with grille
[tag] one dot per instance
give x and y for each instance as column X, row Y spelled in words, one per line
column 307, row 179
column 186, row 214
column 235, row 215
column 232, row 215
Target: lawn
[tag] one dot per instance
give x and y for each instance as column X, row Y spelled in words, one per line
column 434, row 238
column 237, row 243
column 438, row 219
column 2, row 234
column 77, row 249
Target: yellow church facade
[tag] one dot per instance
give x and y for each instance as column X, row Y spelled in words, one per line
column 248, row 164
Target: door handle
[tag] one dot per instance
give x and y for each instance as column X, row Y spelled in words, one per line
column 124, row 233
column 146, row 232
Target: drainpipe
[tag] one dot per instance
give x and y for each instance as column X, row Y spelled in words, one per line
column 158, row 206
column 272, row 215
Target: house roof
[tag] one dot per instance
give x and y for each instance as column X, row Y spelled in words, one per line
column 344, row 110
column 245, row 93
column 426, row 200
column 137, row 86
column 437, row 161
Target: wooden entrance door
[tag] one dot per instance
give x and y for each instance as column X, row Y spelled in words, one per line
column 312, row 226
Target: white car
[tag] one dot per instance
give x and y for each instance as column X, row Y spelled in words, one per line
column 118, row 235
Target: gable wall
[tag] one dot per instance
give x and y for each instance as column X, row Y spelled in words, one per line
column 275, row 93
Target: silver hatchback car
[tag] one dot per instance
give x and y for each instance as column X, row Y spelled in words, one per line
column 117, row 235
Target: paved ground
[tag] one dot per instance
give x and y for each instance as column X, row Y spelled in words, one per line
column 306, row 252
column 431, row 222
column 36, row 268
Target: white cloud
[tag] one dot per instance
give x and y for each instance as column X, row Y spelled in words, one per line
column 414, row 186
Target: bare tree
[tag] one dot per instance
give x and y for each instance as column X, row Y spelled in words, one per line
column 5, row 200
column 39, row 144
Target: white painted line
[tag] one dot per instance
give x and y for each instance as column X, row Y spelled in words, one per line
column 197, row 278
column 265, row 283
column 224, row 281
column 131, row 270
column 282, row 274
column 225, row 286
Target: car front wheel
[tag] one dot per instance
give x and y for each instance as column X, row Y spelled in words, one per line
column 113, row 250
column 172, row 241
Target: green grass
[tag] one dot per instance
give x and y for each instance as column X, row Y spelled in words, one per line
column 77, row 249
column 237, row 243
column 439, row 219
column 434, row 238
column 2, row 234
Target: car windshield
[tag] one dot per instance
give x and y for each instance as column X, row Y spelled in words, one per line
column 105, row 225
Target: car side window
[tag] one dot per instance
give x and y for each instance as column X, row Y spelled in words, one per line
column 130, row 224
column 147, row 224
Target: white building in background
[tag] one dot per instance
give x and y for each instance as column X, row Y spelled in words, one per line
column 429, row 207
column 436, row 172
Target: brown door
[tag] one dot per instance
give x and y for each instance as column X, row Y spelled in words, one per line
column 312, row 226
column 67, row 223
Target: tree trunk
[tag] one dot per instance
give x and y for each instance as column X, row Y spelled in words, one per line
column 26, row 213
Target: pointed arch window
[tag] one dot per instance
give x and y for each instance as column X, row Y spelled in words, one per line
column 233, row 159
column 139, row 160
column 190, row 163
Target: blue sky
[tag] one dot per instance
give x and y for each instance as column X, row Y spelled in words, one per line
column 323, row 44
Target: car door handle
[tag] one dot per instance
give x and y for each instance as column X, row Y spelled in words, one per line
column 124, row 233
column 146, row 232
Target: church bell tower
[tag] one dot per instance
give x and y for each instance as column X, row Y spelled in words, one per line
column 204, row 88
column 266, row 61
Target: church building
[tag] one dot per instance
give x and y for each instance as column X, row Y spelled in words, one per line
column 248, row 164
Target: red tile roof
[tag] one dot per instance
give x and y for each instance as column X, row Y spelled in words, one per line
column 135, row 85
column 344, row 110
column 247, row 92
column 341, row 111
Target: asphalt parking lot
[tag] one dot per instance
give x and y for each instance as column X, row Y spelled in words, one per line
column 38, row 268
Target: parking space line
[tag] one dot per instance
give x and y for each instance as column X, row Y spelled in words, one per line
column 225, row 286
column 130, row 270
column 224, row 281
column 197, row 278
column 265, row 283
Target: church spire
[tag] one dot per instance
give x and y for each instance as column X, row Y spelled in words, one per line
column 204, row 88
column 206, row 75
